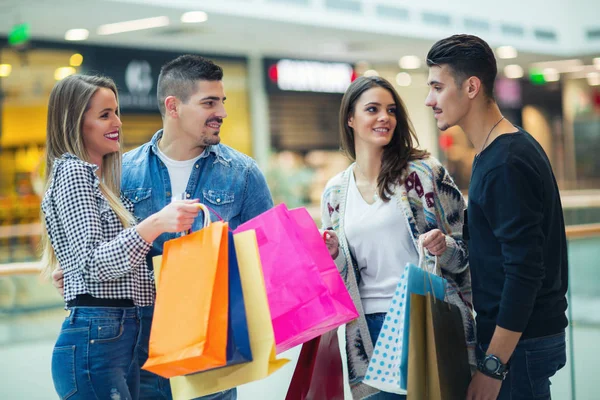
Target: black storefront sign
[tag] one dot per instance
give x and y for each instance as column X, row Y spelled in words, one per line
column 134, row 71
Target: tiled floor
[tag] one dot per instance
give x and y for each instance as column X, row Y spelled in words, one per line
column 25, row 365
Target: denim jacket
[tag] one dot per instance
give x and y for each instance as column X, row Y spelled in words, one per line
column 227, row 181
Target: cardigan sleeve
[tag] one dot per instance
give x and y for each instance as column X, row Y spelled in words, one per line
column 328, row 207
column 450, row 213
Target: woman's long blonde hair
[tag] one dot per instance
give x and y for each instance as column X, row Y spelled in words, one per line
column 69, row 100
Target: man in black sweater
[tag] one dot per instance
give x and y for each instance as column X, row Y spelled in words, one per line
column 515, row 229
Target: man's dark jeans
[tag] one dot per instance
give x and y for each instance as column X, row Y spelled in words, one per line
column 532, row 364
column 154, row 387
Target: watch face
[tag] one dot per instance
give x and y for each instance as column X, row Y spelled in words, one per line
column 491, row 364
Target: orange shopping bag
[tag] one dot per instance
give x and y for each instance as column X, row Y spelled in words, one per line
column 189, row 328
column 260, row 330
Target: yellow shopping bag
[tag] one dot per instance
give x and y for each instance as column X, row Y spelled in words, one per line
column 260, row 330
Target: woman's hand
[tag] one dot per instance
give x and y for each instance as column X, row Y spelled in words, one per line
column 332, row 242
column 435, row 242
column 58, row 280
column 177, row 216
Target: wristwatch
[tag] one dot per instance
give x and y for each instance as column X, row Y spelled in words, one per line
column 493, row 367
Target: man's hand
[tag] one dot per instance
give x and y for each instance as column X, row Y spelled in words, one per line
column 483, row 387
column 435, row 242
column 58, row 281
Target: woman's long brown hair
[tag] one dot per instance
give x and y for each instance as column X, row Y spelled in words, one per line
column 402, row 146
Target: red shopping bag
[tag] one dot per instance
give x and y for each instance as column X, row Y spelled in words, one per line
column 319, row 372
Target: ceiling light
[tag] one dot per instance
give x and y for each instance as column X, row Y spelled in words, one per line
column 371, row 72
column 513, row 71
column 551, row 75
column 134, row 25
column 5, row 70
column 593, row 78
column 63, row 72
column 193, row 17
column 77, row 34
column 76, row 60
column 410, row 62
column 560, row 65
column 506, row 52
column 597, row 62
column 403, row 79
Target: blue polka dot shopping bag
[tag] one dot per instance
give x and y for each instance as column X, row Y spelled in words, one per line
column 388, row 367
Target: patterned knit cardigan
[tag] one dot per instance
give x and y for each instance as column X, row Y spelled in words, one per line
column 429, row 199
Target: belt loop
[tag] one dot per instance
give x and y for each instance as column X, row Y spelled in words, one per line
column 72, row 316
column 123, row 317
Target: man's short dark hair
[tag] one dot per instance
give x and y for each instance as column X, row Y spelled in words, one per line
column 178, row 77
column 467, row 56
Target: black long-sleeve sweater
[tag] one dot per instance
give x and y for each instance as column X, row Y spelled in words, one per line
column 517, row 241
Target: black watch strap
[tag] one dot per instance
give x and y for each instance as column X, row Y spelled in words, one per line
column 491, row 366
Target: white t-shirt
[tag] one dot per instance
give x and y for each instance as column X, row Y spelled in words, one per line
column 179, row 173
column 380, row 240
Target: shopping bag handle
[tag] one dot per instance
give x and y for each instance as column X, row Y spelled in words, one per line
column 423, row 261
column 206, row 212
column 423, row 266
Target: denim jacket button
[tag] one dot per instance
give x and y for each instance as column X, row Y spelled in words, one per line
column 187, row 195
column 168, row 193
column 197, row 166
column 218, row 200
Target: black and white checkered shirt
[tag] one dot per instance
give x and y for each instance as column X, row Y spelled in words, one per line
column 97, row 255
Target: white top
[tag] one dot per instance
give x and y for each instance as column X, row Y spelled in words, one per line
column 179, row 173
column 380, row 241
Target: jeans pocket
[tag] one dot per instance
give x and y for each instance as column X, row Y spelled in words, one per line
column 63, row 371
column 542, row 365
column 106, row 330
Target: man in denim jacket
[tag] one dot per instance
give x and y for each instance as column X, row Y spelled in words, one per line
column 185, row 160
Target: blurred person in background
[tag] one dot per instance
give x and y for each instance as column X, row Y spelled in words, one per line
column 376, row 211
column 91, row 233
column 514, row 227
column 186, row 159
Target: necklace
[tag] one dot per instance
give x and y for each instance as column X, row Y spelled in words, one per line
column 483, row 147
column 489, row 133
column 373, row 187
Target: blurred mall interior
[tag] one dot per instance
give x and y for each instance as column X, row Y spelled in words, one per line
column 287, row 64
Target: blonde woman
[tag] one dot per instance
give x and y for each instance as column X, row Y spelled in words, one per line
column 91, row 233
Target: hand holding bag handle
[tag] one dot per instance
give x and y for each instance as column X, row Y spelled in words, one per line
column 436, row 271
column 423, row 259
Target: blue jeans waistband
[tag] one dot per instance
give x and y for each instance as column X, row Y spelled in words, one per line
column 103, row 312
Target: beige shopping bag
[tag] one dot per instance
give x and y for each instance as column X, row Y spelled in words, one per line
column 438, row 365
column 260, row 330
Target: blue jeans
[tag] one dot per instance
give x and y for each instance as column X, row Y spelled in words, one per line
column 152, row 386
column 532, row 364
column 95, row 353
column 374, row 323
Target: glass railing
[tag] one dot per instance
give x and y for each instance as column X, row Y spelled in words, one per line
column 578, row 379
column 31, row 311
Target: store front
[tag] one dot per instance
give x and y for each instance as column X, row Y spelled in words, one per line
column 26, row 79
column 304, row 99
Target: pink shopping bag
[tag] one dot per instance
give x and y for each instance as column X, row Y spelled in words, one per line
column 346, row 311
column 306, row 294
